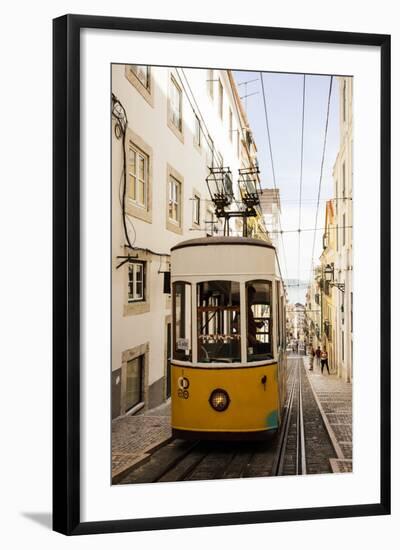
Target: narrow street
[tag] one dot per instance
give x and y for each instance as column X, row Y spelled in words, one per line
column 315, row 438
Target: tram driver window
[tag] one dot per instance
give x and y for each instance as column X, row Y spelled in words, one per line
column 218, row 322
column 182, row 307
column 259, row 320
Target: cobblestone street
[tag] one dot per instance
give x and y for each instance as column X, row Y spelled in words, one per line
column 133, row 437
column 334, row 396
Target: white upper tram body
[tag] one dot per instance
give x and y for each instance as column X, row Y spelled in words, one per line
column 242, row 262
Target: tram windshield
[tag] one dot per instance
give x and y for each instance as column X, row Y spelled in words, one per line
column 218, row 321
column 259, row 320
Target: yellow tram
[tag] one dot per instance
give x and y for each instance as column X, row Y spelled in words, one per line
column 228, row 368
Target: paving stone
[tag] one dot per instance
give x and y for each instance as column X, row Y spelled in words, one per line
column 134, row 437
column 335, row 396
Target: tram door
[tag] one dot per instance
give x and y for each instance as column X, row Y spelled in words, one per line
column 169, row 351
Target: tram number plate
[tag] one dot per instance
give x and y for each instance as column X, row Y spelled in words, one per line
column 183, row 384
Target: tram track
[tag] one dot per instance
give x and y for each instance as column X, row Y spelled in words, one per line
column 290, row 455
column 301, row 446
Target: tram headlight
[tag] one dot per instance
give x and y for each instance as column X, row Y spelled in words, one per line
column 219, row 400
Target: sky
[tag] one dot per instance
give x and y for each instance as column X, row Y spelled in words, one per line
column 284, row 100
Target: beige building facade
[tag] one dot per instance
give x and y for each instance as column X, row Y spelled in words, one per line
column 343, row 274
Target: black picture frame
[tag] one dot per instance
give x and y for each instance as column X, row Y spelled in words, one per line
column 66, row 273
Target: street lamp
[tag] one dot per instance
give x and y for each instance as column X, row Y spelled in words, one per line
column 329, row 273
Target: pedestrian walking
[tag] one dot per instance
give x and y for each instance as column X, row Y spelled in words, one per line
column 318, row 356
column 324, row 360
column 312, row 357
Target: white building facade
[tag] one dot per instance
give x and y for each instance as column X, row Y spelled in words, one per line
column 176, row 123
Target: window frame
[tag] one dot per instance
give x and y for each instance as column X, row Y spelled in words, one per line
column 174, row 85
column 142, row 264
column 344, row 230
column 197, row 140
column 136, row 210
column 270, row 331
column 132, row 147
column 188, row 287
column 344, row 179
column 217, row 321
column 145, row 91
column 220, row 99
column 175, row 225
column 174, row 198
column 210, row 83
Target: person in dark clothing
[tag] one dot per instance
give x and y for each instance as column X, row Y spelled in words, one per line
column 312, row 354
column 324, row 361
column 318, row 356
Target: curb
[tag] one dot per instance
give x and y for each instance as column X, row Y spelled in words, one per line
column 140, row 459
column 331, row 434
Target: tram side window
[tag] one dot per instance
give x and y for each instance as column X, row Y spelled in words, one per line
column 218, row 321
column 259, row 320
column 182, row 335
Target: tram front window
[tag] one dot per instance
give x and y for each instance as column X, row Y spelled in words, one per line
column 218, row 322
column 259, row 320
column 182, row 305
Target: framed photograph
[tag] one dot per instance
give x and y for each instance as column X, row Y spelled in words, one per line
column 221, row 274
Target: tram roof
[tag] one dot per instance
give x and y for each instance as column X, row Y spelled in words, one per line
column 208, row 241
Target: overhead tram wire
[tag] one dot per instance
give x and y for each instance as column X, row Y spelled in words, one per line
column 272, row 166
column 197, row 111
column 301, row 175
column 265, row 230
column 321, row 174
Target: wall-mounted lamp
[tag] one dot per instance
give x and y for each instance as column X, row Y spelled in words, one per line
column 329, row 274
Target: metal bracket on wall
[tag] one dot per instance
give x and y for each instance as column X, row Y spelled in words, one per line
column 126, row 259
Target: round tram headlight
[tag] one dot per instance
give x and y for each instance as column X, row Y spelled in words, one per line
column 219, row 400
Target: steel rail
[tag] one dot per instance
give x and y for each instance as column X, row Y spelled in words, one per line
column 279, row 461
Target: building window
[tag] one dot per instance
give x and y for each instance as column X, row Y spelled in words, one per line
column 140, row 77
column 134, row 382
column 197, row 131
column 138, row 176
column 342, row 345
column 175, row 107
column 230, row 124
column 139, row 172
column 344, row 229
column 351, row 311
column 196, row 210
column 210, row 82
column 344, row 179
column 220, row 99
column 344, row 101
column 136, row 282
column 174, row 201
column 142, row 73
column 176, row 104
column 211, row 154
